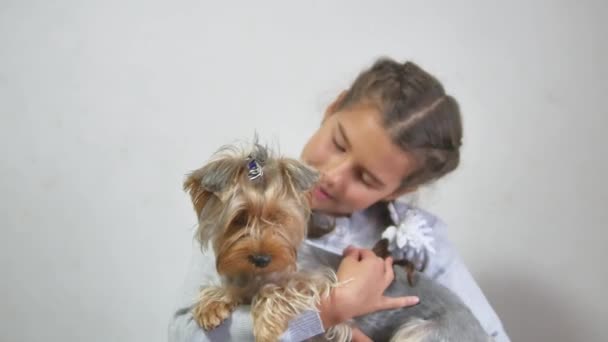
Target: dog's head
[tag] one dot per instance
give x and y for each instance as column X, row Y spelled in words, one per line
column 253, row 210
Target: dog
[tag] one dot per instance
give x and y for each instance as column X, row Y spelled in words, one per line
column 253, row 209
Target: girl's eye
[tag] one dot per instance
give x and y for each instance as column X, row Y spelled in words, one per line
column 365, row 180
column 338, row 146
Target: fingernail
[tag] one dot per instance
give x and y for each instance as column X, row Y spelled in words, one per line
column 415, row 300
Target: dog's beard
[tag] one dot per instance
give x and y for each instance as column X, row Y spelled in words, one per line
column 242, row 275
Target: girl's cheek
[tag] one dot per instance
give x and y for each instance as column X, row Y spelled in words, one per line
column 320, row 154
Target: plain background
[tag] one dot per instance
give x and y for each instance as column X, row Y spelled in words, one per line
column 106, row 105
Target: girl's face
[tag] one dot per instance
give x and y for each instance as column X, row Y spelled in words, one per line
column 359, row 163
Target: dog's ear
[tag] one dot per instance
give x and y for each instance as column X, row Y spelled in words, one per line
column 220, row 174
column 301, row 176
column 211, row 180
column 198, row 194
column 208, row 187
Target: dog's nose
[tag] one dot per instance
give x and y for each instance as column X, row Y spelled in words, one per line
column 260, row 260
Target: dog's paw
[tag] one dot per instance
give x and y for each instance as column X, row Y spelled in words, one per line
column 211, row 314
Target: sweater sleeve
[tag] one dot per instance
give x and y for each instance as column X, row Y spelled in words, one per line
column 183, row 328
column 448, row 268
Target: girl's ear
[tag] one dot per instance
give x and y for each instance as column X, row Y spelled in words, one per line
column 333, row 107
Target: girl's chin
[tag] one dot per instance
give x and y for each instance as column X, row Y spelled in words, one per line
column 328, row 209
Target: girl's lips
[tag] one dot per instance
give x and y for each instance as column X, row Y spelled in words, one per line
column 320, row 194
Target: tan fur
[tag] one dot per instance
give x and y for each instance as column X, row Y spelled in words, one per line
column 275, row 305
column 413, row 331
column 339, row 333
column 241, row 219
column 214, row 306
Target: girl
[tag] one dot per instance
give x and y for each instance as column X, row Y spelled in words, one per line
column 393, row 130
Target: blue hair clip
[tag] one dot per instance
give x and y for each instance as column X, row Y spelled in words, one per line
column 255, row 169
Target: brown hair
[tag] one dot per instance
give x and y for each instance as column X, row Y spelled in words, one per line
column 419, row 116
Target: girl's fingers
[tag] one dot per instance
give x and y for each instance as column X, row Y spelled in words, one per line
column 350, row 251
column 388, row 303
column 367, row 253
column 389, row 273
column 358, row 253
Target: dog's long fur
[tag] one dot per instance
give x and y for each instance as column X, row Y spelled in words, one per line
column 256, row 228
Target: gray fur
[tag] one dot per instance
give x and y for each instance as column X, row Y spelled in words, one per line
column 450, row 318
column 302, row 176
column 220, row 173
column 217, row 176
column 440, row 315
column 259, row 153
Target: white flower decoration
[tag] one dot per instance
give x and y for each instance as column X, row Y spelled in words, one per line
column 411, row 237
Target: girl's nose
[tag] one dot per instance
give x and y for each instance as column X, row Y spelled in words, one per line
column 335, row 176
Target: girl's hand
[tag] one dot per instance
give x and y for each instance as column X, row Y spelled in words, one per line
column 365, row 277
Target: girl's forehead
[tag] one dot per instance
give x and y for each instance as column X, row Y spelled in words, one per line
column 372, row 146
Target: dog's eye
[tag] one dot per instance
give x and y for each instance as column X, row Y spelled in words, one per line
column 240, row 220
column 279, row 218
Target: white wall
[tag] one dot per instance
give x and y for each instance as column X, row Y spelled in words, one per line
column 105, row 105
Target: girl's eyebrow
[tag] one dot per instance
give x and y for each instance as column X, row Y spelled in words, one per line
column 347, row 142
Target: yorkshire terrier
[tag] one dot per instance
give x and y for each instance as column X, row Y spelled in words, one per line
column 253, row 209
